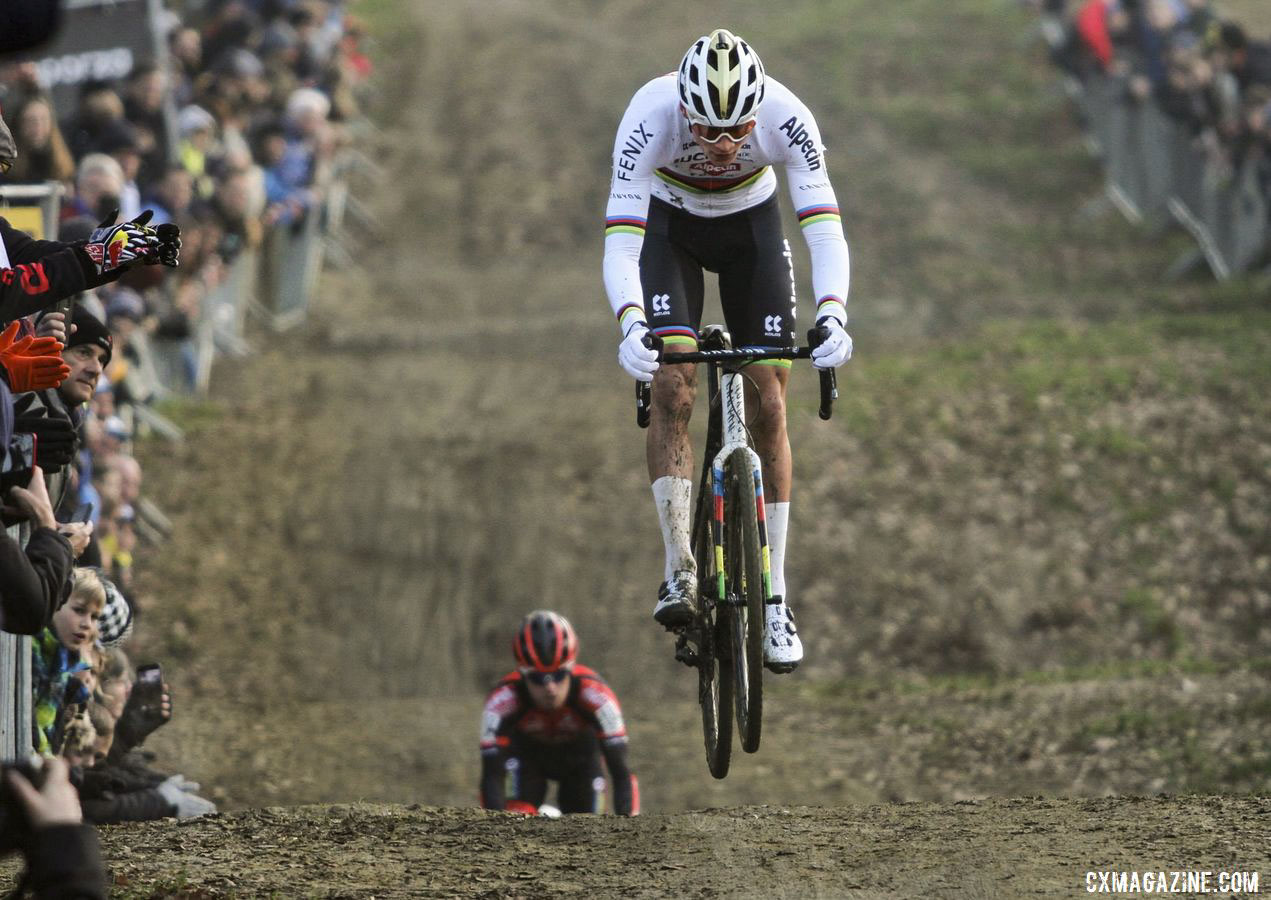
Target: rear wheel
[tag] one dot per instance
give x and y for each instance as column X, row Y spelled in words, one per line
column 743, row 559
column 715, row 693
column 714, row 676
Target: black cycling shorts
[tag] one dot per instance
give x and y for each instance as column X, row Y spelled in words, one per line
column 746, row 249
column 575, row 768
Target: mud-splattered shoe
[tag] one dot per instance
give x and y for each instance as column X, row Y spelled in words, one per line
column 677, row 600
column 782, row 649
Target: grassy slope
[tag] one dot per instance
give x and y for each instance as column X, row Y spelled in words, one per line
column 1049, row 467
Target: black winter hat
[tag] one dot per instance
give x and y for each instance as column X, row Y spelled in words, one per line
column 90, row 330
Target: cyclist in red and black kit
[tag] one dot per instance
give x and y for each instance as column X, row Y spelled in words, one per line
column 552, row 720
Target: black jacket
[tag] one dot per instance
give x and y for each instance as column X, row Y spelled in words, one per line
column 50, row 403
column 33, row 582
column 42, row 273
column 64, row 863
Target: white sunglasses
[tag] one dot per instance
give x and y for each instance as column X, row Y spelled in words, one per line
column 704, row 132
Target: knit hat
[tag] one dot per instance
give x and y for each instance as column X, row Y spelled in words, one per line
column 90, row 330
column 115, row 623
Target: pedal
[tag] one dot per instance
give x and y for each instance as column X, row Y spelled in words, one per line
column 684, row 652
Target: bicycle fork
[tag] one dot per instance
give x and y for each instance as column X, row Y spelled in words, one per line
column 733, row 408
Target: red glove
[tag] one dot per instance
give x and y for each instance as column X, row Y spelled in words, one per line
column 31, row 364
column 10, row 333
column 520, row 806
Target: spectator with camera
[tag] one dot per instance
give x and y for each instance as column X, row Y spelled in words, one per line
column 120, row 785
column 40, row 816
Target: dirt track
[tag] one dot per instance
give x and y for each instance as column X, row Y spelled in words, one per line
column 363, row 508
column 997, row 848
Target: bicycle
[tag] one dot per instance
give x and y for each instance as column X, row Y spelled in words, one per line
column 730, row 543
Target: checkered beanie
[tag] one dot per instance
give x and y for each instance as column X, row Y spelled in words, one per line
column 115, row 623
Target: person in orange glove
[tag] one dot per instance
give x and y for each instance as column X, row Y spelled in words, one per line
column 54, row 415
column 31, row 363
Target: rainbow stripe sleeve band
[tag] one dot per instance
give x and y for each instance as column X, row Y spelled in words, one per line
column 625, row 225
column 829, row 305
column 629, row 315
column 814, row 215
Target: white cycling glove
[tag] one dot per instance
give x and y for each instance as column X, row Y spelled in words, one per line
column 836, row 349
column 639, row 361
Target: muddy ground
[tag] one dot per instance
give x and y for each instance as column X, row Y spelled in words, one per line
column 1031, row 567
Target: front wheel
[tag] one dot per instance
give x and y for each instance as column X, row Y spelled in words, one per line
column 743, row 562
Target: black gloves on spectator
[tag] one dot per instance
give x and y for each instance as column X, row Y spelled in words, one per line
column 54, row 438
column 142, row 714
column 169, row 245
column 112, row 247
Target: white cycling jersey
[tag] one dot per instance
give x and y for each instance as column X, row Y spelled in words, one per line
column 655, row 155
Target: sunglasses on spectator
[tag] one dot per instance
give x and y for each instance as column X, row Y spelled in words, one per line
column 711, row 134
column 542, row 678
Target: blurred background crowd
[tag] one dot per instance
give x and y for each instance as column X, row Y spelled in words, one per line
column 1176, row 99
column 228, row 134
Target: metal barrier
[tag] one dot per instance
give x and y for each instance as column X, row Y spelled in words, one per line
column 1156, row 172
column 15, row 669
column 290, row 264
column 33, row 208
column 185, row 365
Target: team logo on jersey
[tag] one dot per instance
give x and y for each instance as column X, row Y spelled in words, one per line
column 637, row 139
column 802, row 141
column 710, row 170
column 661, row 304
column 772, row 325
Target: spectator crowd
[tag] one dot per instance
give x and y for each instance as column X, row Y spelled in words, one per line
column 166, row 177
column 1204, row 71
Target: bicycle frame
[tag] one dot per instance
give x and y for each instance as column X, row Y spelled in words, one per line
column 725, row 641
column 732, row 404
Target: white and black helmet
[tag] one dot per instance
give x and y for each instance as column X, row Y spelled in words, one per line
column 721, row 80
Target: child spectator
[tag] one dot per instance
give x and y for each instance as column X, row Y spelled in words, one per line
column 57, row 655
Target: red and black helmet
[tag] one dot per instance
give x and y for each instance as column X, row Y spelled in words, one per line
column 545, row 642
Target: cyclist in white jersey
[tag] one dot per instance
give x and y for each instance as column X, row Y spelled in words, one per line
column 693, row 189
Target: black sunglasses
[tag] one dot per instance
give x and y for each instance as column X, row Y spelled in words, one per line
column 541, row 678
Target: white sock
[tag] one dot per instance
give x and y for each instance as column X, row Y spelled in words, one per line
column 674, row 499
column 778, row 515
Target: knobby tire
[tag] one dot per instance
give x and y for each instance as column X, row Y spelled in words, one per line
column 743, row 561
column 714, row 674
